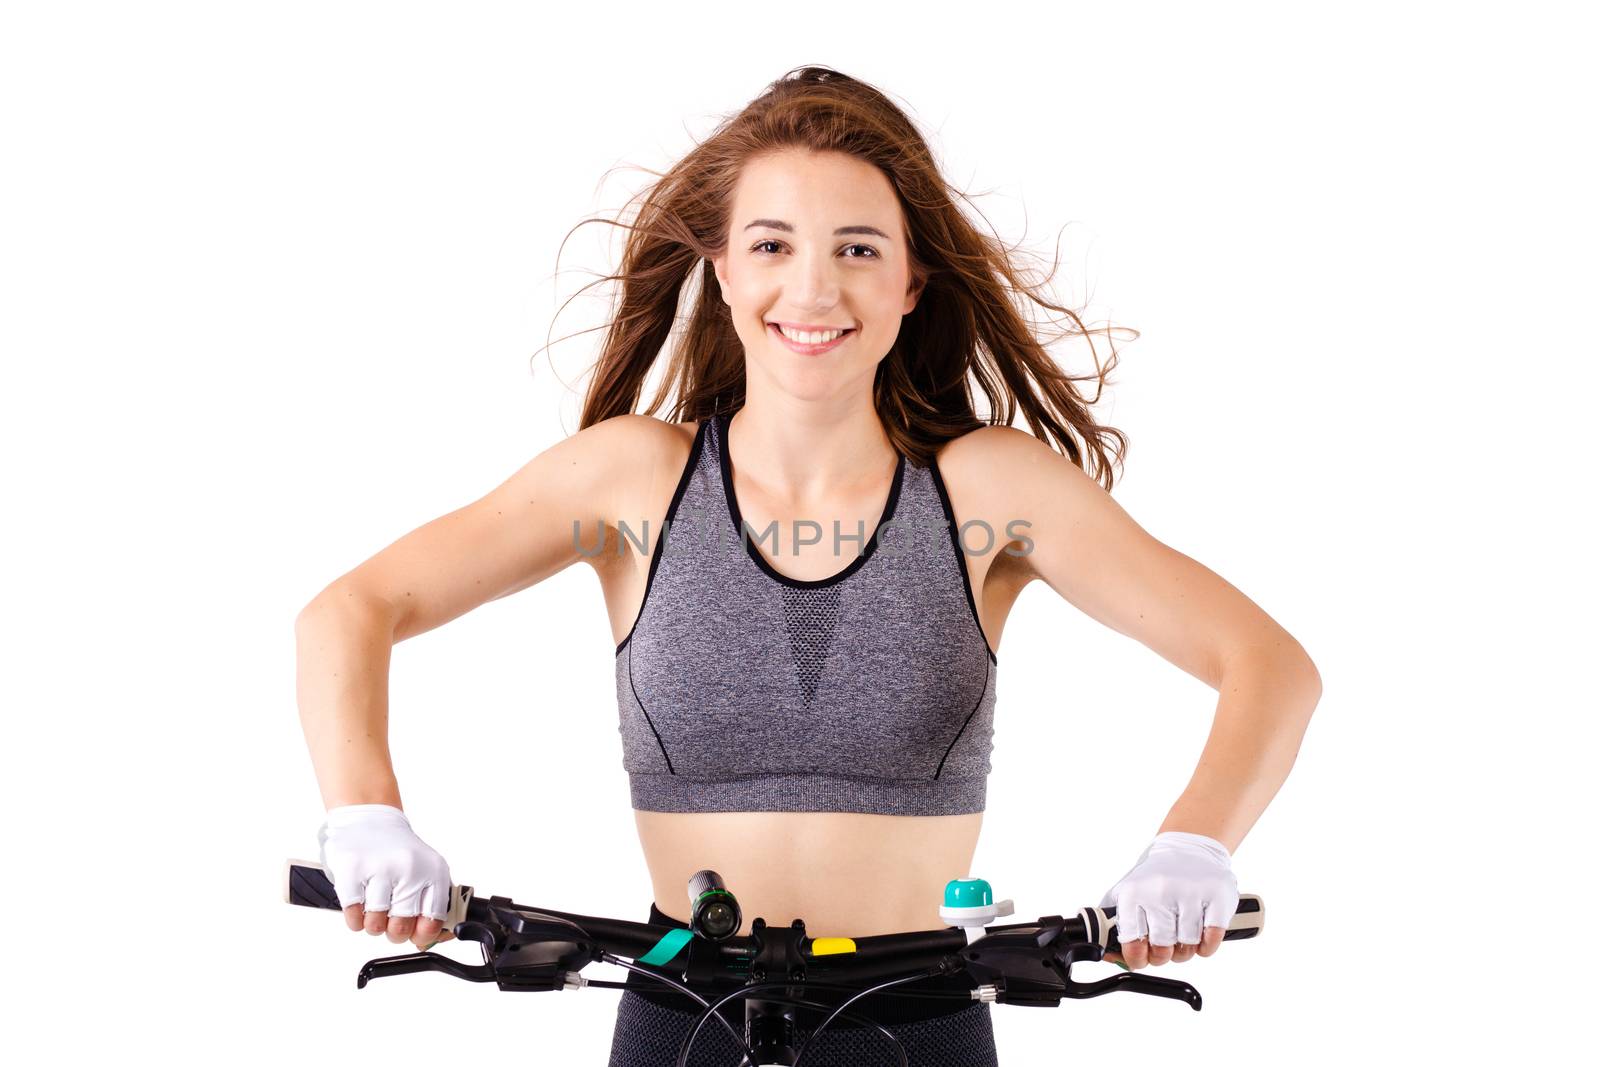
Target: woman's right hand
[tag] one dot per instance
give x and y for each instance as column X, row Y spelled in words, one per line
column 386, row 877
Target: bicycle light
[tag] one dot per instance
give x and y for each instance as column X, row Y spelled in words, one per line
column 713, row 911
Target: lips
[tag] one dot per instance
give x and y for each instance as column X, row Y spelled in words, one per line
column 809, row 350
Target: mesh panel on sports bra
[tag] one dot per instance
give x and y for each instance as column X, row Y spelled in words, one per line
column 811, row 616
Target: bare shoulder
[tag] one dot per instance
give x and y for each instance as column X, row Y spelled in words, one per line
column 996, row 450
column 652, row 448
column 1016, row 483
column 673, row 437
column 645, row 457
column 998, row 467
column 985, row 445
column 596, row 475
column 628, row 442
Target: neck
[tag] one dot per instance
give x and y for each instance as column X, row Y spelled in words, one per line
column 805, row 454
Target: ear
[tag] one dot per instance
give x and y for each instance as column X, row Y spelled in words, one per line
column 719, row 264
column 913, row 294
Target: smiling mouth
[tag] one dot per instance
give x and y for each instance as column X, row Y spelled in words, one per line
column 809, row 349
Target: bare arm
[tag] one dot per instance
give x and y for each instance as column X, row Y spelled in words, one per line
column 342, row 645
column 515, row 536
column 1095, row 556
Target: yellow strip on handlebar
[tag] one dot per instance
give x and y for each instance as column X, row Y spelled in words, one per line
column 831, row 946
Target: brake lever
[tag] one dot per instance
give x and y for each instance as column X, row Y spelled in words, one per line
column 1148, row 984
column 522, row 950
column 413, row 962
column 1014, row 956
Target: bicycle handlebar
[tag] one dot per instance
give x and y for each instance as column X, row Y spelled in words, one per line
column 535, row 948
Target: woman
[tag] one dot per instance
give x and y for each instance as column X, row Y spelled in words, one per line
column 808, row 570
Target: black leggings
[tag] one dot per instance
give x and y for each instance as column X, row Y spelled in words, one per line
column 652, row 1021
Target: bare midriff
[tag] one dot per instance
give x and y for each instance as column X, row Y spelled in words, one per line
column 846, row 874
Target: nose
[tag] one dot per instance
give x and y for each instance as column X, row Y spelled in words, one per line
column 813, row 287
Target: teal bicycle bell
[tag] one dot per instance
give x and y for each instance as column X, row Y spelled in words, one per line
column 969, row 903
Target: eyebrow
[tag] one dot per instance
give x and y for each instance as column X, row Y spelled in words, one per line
column 779, row 224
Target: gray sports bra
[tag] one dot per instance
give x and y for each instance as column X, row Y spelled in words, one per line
column 741, row 689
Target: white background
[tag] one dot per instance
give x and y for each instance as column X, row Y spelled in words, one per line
column 274, row 281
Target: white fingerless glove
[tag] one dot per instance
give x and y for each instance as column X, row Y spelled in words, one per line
column 375, row 860
column 1181, row 883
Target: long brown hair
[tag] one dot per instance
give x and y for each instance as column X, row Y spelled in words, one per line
column 967, row 324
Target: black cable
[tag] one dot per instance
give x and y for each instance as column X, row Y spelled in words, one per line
column 681, row 987
column 801, row 1054
column 712, row 1009
column 933, row 994
column 946, row 994
column 815, row 1005
column 899, row 1046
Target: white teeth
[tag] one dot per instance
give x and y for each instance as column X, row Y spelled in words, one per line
column 807, row 337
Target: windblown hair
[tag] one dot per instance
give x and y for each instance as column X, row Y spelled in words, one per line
column 967, row 325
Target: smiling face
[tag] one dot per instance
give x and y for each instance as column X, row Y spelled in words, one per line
column 817, row 243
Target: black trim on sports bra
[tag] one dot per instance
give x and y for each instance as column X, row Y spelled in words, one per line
column 749, row 543
column 961, row 555
column 989, row 669
column 666, row 528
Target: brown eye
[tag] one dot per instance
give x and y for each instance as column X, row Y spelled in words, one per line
column 757, row 247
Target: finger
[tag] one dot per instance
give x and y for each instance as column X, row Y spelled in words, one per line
column 427, row 931
column 433, row 903
column 434, row 910
column 1217, row 915
column 1131, row 930
column 1163, row 930
column 406, row 902
column 1190, row 918
column 1221, row 912
column 351, row 897
column 1188, row 927
column 1131, row 923
column 379, row 890
column 400, row 928
column 1163, row 934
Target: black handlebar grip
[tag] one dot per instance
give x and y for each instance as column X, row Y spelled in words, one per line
column 306, row 882
column 1248, row 919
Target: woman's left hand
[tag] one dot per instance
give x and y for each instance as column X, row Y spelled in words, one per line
column 1176, row 901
